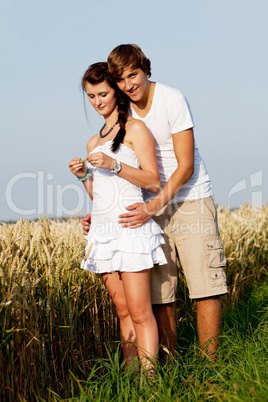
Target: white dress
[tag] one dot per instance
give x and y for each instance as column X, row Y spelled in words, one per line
column 110, row 247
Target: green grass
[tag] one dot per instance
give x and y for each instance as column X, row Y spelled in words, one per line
column 239, row 374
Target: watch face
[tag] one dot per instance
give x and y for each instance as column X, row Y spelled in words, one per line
column 117, row 167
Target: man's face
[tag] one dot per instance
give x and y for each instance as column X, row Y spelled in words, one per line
column 134, row 83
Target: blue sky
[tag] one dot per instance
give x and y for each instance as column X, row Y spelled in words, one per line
column 214, row 52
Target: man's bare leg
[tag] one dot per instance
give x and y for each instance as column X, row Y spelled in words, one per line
column 209, row 325
column 165, row 318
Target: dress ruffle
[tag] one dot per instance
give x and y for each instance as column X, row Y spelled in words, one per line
column 127, row 251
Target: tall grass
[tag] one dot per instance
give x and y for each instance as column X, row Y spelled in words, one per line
column 244, row 235
column 55, row 317
column 239, row 374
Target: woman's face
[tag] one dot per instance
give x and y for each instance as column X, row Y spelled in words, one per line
column 102, row 97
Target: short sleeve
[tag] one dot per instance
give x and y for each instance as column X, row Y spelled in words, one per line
column 179, row 113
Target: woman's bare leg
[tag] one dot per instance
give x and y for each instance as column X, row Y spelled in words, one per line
column 115, row 288
column 138, row 298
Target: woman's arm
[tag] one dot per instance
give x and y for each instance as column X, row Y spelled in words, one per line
column 80, row 170
column 141, row 141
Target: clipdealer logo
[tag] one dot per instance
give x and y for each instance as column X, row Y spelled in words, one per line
column 50, row 196
column 255, row 183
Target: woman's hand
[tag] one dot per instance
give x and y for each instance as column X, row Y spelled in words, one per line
column 101, row 160
column 78, row 169
column 86, row 222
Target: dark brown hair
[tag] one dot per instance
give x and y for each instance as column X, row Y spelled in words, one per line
column 128, row 55
column 97, row 73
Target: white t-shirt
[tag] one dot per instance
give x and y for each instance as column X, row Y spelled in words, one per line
column 170, row 114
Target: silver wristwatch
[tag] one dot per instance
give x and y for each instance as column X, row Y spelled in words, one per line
column 117, row 167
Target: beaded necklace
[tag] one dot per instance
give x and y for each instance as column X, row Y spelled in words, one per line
column 108, row 132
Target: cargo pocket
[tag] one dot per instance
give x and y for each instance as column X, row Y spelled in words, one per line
column 216, row 260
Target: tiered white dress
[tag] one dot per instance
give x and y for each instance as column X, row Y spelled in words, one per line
column 111, row 247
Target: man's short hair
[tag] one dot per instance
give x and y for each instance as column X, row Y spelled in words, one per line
column 127, row 56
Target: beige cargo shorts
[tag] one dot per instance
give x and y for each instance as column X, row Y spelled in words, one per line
column 192, row 240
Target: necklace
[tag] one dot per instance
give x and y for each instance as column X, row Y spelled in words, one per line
column 108, row 132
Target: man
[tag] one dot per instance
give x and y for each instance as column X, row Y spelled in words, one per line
column 184, row 207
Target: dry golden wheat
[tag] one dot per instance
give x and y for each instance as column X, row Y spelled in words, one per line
column 55, row 316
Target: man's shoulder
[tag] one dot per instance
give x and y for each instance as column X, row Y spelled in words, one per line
column 174, row 103
column 168, row 90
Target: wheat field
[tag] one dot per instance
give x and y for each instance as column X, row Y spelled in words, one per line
column 55, row 318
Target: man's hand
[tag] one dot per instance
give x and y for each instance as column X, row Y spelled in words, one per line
column 86, row 222
column 139, row 213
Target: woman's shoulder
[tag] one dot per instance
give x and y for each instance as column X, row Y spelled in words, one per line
column 134, row 124
column 136, row 132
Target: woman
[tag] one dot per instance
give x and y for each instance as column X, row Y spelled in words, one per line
column 121, row 160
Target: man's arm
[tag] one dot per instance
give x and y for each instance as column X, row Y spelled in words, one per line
column 139, row 213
